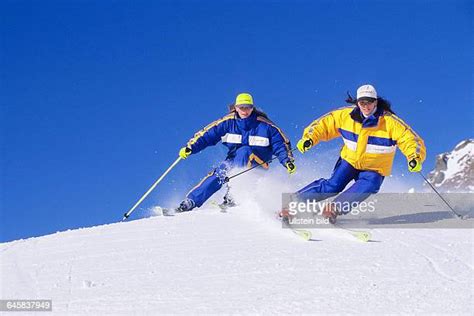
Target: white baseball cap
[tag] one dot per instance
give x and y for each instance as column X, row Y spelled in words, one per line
column 366, row 91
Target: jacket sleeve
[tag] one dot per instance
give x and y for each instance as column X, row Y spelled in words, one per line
column 409, row 142
column 281, row 146
column 324, row 128
column 209, row 135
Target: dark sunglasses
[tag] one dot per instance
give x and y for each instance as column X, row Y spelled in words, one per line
column 244, row 106
column 366, row 101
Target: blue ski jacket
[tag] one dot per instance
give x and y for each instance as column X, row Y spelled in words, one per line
column 250, row 141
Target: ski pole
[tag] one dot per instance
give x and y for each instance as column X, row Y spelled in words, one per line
column 436, row 191
column 126, row 215
column 227, row 179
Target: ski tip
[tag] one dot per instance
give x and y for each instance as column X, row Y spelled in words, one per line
column 307, row 237
column 362, row 236
column 304, row 234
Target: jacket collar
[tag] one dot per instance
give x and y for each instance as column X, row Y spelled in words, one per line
column 369, row 121
column 246, row 123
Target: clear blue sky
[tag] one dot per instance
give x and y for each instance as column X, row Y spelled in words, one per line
column 97, row 97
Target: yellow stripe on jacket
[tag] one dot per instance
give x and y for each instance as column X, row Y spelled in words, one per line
column 203, row 131
column 368, row 148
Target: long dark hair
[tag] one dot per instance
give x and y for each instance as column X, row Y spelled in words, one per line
column 382, row 103
column 256, row 110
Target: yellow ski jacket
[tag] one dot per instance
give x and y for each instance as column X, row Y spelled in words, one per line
column 369, row 143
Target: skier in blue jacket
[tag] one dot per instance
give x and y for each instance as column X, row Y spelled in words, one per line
column 251, row 138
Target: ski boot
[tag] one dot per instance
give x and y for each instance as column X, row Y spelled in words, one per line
column 228, row 201
column 330, row 212
column 185, row 206
column 285, row 216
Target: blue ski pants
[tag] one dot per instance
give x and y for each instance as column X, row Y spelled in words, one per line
column 210, row 184
column 366, row 182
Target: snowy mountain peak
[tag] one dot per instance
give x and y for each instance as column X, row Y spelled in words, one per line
column 454, row 171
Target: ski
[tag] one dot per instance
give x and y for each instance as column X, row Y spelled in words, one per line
column 306, row 235
column 302, row 233
column 361, row 235
column 162, row 211
column 223, row 206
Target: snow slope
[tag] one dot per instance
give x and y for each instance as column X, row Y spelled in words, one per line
column 212, row 262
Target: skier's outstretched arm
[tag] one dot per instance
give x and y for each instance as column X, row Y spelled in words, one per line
column 324, row 128
column 409, row 142
column 208, row 136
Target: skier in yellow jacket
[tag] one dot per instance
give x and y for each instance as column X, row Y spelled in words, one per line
column 371, row 132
